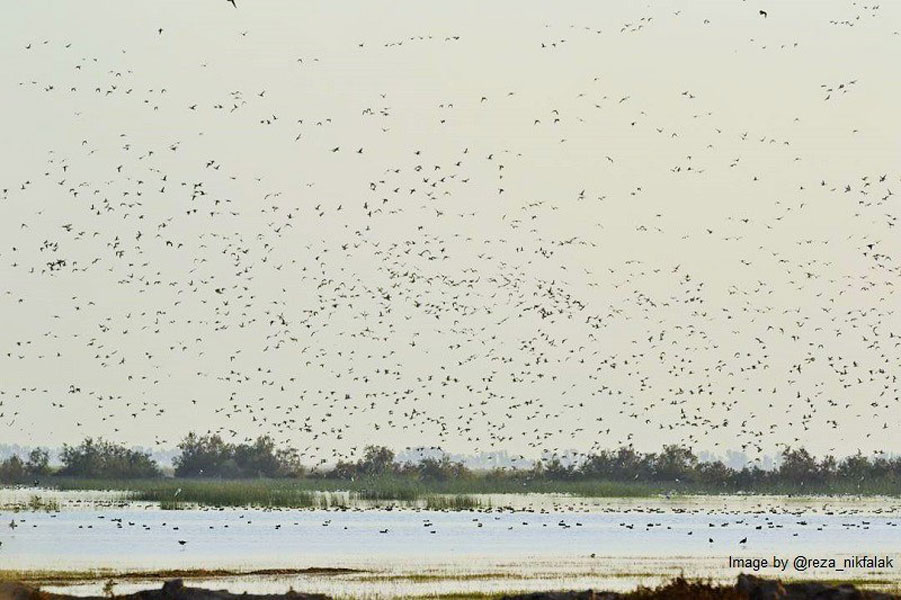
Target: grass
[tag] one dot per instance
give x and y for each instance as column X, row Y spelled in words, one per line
column 432, row 577
column 172, row 505
column 677, row 588
column 38, row 577
column 273, row 493
column 175, row 494
column 302, row 493
column 455, row 502
column 36, row 503
column 458, row 494
column 178, row 494
column 466, row 596
column 429, row 577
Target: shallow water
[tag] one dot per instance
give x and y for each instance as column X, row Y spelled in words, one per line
column 20, row 496
column 547, row 542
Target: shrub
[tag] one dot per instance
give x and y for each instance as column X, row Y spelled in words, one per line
column 105, row 460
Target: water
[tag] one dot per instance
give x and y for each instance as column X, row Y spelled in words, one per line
column 540, row 542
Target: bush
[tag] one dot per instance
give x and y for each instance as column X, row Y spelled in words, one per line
column 798, row 466
column 439, row 469
column 210, row 456
column 15, row 470
column 38, row 462
column 12, row 470
column 105, row 460
column 675, row 463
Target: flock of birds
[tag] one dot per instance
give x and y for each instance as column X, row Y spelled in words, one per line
column 745, row 526
column 201, row 241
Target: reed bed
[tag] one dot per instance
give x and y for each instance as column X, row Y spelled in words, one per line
column 456, row 494
column 173, row 494
column 455, row 502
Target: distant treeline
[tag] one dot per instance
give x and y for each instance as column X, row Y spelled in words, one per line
column 209, row 456
column 92, row 458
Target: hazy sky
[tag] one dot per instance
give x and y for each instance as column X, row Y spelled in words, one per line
column 482, row 226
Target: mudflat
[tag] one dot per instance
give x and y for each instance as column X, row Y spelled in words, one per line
column 748, row 587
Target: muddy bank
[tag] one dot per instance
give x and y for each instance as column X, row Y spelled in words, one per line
column 54, row 578
column 748, row 587
column 171, row 590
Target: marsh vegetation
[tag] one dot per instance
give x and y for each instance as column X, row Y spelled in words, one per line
column 212, row 472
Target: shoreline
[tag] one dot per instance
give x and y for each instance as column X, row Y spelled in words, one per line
column 271, row 581
column 73, row 577
column 747, row 587
column 256, row 494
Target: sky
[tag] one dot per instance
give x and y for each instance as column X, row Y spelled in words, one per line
column 485, row 227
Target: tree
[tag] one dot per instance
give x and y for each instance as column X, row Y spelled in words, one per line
column 630, row 465
column 600, row 466
column 675, row 463
column 201, row 456
column 15, row 470
column 257, row 459
column 440, row 469
column 716, row 473
column 210, row 456
column 798, row 466
column 827, row 469
column 855, row 467
column 12, row 470
column 289, row 463
column 106, row 460
column 38, row 462
column 343, row 470
column 377, row 460
column 554, row 469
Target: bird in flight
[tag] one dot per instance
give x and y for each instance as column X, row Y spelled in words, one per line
column 233, row 3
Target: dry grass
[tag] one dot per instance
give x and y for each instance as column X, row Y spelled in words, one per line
column 684, row 589
column 75, row 577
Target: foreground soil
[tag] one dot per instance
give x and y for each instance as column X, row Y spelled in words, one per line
column 748, row 587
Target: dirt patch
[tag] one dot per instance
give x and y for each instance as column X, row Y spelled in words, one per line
column 748, row 587
column 171, row 590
